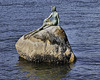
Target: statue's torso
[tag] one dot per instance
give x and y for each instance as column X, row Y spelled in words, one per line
column 55, row 19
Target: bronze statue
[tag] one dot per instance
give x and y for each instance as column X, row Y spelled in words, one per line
column 55, row 18
column 55, row 21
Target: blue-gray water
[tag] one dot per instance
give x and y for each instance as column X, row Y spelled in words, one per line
column 79, row 18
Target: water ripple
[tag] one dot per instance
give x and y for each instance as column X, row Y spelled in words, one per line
column 80, row 20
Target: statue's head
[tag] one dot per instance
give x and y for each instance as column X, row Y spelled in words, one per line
column 53, row 8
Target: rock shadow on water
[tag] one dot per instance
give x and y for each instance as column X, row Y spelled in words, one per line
column 44, row 71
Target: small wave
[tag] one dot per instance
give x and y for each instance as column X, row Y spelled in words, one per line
column 9, row 4
column 14, row 4
column 29, row 4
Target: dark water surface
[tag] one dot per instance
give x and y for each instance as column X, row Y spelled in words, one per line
column 79, row 18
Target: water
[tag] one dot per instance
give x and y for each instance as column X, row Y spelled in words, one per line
column 79, row 18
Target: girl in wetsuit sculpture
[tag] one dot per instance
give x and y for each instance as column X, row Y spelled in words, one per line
column 55, row 21
column 55, row 18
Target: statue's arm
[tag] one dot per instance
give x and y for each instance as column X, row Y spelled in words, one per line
column 50, row 16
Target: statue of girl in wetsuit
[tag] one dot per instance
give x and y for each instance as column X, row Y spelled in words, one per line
column 55, row 21
column 55, row 18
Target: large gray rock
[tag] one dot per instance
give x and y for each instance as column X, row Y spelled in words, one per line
column 48, row 45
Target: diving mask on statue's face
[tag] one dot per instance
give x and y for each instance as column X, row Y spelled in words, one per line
column 53, row 8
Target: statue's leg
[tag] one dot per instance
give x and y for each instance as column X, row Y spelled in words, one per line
column 49, row 23
column 37, row 30
column 28, row 35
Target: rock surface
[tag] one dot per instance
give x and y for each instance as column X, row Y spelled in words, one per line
column 48, row 45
